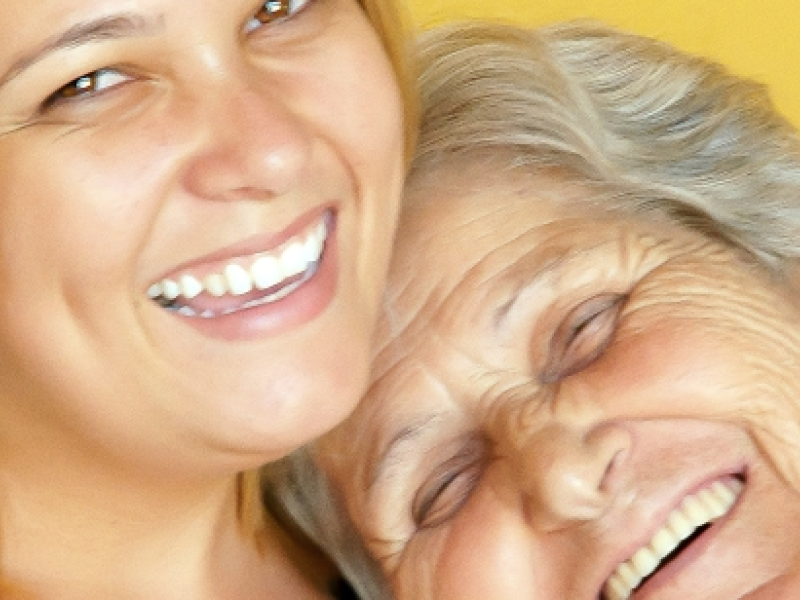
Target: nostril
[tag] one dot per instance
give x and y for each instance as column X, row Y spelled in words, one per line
column 611, row 478
column 573, row 475
column 612, row 445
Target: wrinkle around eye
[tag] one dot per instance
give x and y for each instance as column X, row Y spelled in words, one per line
column 582, row 337
column 450, row 485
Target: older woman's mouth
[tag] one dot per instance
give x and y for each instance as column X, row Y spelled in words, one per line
column 683, row 526
column 246, row 281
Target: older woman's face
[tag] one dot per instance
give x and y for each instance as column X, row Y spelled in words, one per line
column 570, row 405
column 197, row 201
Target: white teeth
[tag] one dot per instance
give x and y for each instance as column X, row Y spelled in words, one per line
column 679, row 525
column 190, row 287
column 215, row 285
column 266, row 272
column 299, row 255
column 715, row 507
column 665, row 541
column 628, row 575
column 695, row 511
column 170, row 290
column 616, row 588
column 238, row 280
column 293, row 259
column 154, row 291
column 313, row 247
column 645, row 560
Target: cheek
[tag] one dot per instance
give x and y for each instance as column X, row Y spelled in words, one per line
column 79, row 194
column 712, row 369
column 488, row 551
column 354, row 96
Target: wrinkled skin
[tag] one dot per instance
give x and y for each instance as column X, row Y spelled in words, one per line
column 552, row 382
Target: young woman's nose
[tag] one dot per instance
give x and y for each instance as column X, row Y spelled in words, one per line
column 570, row 475
column 249, row 145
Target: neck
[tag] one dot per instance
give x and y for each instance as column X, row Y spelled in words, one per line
column 78, row 533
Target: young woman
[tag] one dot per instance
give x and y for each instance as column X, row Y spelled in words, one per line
column 197, row 203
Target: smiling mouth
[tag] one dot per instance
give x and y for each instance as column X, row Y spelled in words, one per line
column 247, row 281
column 683, row 526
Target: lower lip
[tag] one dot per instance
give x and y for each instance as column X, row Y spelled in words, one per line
column 665, row 577
column 301, row 306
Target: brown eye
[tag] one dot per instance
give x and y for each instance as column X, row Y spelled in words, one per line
column 88, row 85
column 583, row 336
column 272, row 10
column 449, row 486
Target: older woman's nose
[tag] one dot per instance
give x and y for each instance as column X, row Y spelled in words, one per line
column 569, row 475
column 250, row 144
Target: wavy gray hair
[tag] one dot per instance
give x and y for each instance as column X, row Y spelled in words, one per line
column 650, row 128
column 645, row 128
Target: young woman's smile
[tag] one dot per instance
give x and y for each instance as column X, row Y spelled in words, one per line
column 204, row 192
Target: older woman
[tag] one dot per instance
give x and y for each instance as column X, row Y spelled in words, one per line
column 197, row 204
column 588, row 380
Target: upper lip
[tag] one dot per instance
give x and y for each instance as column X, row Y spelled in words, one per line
column 652, row 523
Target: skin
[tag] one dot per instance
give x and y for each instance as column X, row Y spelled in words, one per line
column 546, row 394
column 207, row 130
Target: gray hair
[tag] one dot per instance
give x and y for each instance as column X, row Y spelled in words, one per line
column 301, row 498
column 647, row 129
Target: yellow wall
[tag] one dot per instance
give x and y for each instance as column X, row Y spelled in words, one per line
column 759, row 39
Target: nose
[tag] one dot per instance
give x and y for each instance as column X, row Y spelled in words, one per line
column 570, row 475
column 249, row 144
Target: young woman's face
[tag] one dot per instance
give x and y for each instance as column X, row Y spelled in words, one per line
column 197, row 200
column 563, row 398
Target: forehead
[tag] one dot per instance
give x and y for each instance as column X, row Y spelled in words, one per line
column 30, row 29
column 465, row 243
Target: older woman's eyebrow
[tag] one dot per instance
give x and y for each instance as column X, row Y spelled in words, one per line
column 530, row 285
column 122, row 25
column 399, row 447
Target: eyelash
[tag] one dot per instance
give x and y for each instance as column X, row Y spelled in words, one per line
column 272, row 11
column 449, row 487
column 86, row 85
column 583, row 336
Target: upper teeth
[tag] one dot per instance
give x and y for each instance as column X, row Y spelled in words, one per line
column 243, row 275
column 695, row 511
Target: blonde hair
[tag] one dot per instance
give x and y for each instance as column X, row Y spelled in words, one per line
column 644, row 128
column 392, row 23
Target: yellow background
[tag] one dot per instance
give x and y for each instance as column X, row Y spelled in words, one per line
column 755, row 38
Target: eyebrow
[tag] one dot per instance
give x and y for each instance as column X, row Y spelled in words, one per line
column 503, row 312
column 398, row 447
column 123, row 25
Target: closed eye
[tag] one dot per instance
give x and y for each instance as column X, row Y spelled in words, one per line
column 582, row 337
column 449, row 486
